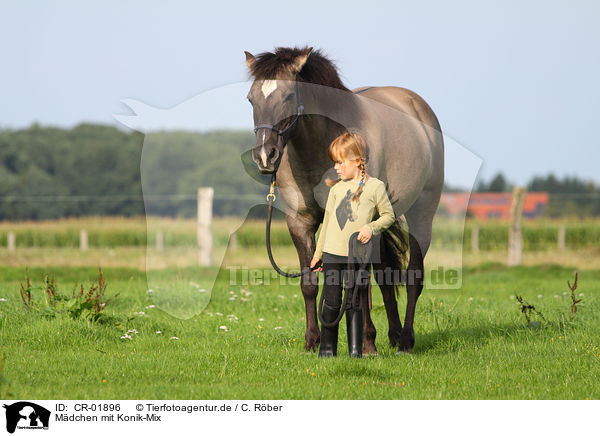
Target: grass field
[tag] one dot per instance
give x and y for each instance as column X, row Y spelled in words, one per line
column 248, row 343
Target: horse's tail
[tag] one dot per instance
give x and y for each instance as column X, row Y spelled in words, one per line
column 394, row 249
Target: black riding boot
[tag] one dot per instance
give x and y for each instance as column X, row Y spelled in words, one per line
column 329, row 335
column 354, row 324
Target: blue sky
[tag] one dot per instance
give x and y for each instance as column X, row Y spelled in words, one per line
column 514, row 82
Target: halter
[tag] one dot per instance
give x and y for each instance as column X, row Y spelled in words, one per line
column 299, row 113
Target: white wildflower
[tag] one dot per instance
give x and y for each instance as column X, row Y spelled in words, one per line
column 470, row 299
column 261, row 319
column 3, row 299
column 194, row 284
column 224, row 327
column 139, row 313
column 540, row 295
column 158, row 332
column 277, row 328
column 132, row 331
column 218, row 314
column 126, row 336
column 149, row 291
column 152, row 306
column 564, row 293
column 174, row 338
column 581, row 294
column 201, row 290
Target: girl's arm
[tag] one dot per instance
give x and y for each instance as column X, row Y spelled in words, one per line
column 386, row 212
column 328, row 208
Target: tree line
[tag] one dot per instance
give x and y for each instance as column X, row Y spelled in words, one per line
column 91, row 169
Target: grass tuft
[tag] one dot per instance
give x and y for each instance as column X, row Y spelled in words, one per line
column 88, row 305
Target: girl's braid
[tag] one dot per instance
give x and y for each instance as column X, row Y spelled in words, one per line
column 362, row 179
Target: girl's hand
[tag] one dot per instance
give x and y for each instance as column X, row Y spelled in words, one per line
column 314, row 262
column 364, row 234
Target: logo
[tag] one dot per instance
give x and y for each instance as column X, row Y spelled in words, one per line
column 26, row 415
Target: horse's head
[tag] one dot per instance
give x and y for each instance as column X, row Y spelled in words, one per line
column 276, row 103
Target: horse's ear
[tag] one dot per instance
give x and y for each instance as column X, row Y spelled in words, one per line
column 301, row 60
column 250, row 60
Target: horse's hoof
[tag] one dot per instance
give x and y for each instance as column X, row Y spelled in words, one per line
column 407, row 341
column 369, row 350
column 312, row 344
column 394, row 338
column 310, row 347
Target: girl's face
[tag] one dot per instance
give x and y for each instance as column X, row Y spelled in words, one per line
column 347, row 169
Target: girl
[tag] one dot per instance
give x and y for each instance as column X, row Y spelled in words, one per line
column 351, row 205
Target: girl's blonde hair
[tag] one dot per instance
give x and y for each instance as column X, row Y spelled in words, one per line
column 352, row 146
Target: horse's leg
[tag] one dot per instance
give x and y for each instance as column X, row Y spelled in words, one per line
column 419, row 219
column 391, row 307
column 388, row 291
column 414, row 286
column 369, row 331
column 303, row 235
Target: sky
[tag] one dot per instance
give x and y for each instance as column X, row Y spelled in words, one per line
column 515, row 83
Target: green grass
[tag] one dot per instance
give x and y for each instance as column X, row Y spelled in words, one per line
column 471, row 344
column 110, row 232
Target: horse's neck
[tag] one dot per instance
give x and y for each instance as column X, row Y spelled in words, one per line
column 308, row 152
column 301, row 174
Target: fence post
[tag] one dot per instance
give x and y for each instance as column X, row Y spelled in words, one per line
column 83, row 240
column 562, row 237
column 475, row 239
column 12, row 242
column 160, row 241
column 204, row 235
column 515, row 237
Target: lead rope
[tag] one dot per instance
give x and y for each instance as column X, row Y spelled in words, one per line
column 271, row 200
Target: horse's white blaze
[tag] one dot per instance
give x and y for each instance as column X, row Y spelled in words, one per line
column 268, row 87
column 263, row 156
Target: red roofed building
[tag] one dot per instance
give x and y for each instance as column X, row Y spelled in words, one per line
column 491, row 205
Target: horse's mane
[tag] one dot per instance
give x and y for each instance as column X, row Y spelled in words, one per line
column 318, row 69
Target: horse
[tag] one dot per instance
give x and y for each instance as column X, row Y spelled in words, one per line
column 299, row 106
